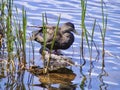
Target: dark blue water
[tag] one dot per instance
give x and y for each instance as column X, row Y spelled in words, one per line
column 97, row 78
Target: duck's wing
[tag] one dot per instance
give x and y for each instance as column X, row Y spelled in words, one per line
column 55, row 40
column 40, row 33
column 49, row 36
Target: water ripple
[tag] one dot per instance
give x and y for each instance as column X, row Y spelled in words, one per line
column 71, row 11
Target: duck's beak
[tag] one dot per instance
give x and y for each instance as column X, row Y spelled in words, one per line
column 76, row 32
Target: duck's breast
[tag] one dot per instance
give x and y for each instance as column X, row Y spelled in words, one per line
column 66, row 40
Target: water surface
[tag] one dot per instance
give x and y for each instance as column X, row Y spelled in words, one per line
column 98, row 78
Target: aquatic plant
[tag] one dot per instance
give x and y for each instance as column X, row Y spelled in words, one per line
column 44, row 22
column 44, row 34
column 14, row 32
column 83, row 33
column 20, row 35
column 87, row 38
column 103, row 30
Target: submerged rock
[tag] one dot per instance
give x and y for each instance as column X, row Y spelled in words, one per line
column 55, row 61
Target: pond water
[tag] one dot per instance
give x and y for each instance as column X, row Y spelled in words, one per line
column 97, row 78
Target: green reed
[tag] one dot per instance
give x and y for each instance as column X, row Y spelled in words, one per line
column 2, row 26
column 83, row 15
column 55, row 33
column 9, row 29
column 44, row 31
column 86, row 34
column 88, row 38
column 2, row 8
column 44, row 23
column 83, row 35
column 20, row 34
column 24, row 25
column 54, row 37
column 103, row 30
column 14, row 33
column 44, row 36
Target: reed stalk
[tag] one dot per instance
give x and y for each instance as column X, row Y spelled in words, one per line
column 2, row 14
column 24, row 25
column 20, row 34
column 53, row 41
column 9, row 30
column 83, row 15
column 103, row 30
column 2, row 26
column 14, row 32
column 44, row 31
column 92, row 36
column 44, row 36
column 55, row 33
column 85, row 33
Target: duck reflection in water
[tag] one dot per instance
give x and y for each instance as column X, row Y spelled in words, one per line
column 61, row 77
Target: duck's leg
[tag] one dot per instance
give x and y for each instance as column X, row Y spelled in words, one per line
column 57, row 52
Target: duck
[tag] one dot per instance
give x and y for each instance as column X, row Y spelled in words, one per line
column 64, row 36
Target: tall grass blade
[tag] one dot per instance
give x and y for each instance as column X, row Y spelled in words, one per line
column 24, row 19
column 24, row 24
column 53, row 41
column 93, row 30
column 55, row 33
column 103, row 30
column 44, row 31
column 83, row 7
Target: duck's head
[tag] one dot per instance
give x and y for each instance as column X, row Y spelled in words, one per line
column 68, row 26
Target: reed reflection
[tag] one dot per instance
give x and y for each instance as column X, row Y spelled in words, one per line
column 102, row 75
